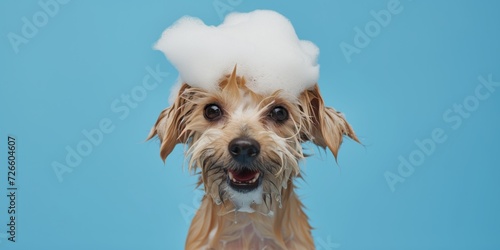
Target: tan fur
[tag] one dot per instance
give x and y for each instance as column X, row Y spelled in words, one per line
column 278, row 222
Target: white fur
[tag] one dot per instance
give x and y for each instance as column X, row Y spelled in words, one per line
column 243, row 201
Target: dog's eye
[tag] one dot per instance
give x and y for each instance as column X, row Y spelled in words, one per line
column 279, row 114
column 212, row 112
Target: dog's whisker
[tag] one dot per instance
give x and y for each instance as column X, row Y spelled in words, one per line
column 221, row 192
column 214, row 189
column 297, row 127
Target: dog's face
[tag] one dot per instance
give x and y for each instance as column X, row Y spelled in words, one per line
column 247, row 146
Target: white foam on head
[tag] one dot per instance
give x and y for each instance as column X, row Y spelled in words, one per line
column 262, row 44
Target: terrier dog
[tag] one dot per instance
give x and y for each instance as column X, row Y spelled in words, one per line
column 247, row 148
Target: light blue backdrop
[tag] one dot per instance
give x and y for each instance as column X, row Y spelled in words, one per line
column 426, row 177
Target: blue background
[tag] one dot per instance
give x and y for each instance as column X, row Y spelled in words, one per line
column 395, row 91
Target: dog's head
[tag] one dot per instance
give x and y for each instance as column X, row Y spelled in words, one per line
column 247, row 146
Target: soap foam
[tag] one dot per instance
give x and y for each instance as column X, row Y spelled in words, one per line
column 262, row 44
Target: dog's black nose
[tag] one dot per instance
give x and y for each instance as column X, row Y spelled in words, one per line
column 244, row 150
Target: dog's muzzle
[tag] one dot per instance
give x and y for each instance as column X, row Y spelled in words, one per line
column 244, row 151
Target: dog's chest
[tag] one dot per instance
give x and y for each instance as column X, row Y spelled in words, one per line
column 246, row 234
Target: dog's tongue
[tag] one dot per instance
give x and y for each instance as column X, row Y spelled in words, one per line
column 244, row 175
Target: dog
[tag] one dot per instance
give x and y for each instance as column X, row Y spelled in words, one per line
column 246, row 148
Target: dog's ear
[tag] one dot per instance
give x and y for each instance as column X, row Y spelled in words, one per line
column 326, row 127
column 170, row 126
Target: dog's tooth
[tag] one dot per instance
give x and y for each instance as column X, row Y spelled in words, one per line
column 255, row 178
column 231, row 177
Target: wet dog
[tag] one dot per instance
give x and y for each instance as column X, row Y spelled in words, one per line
column 247, row 148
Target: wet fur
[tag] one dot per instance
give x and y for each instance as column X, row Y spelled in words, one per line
column 279, row 221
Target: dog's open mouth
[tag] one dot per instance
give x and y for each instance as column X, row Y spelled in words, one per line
column 243, row 180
